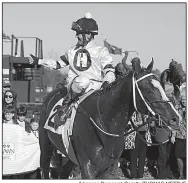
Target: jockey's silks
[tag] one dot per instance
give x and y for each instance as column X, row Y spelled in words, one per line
column 93, row 67
column 92, row 62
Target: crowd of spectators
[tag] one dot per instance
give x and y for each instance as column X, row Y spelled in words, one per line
column 15, row 114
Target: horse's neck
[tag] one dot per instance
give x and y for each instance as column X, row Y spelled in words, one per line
column 117, row 105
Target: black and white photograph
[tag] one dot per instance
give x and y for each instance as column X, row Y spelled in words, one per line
column 94, row 91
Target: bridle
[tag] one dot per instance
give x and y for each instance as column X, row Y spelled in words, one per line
column 148, row 106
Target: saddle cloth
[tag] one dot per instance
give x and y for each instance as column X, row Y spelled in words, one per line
column 66, row 129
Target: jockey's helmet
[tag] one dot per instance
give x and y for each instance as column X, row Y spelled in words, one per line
column 85, row 25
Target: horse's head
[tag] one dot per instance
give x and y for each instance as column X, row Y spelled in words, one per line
column 148, row 95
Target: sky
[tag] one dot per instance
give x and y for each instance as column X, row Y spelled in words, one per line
column 155, row 30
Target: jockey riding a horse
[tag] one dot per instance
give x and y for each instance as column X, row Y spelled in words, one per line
column 90, row 65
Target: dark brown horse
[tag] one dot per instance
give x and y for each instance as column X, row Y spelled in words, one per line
column 98, row 131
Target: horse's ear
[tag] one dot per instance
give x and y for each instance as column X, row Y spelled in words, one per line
column 150, row 66
column 136, row 65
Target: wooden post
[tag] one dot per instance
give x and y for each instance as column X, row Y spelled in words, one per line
column 12, row 46
column 16, row 47
column 36, row 54
column 29, row 91
column 11, row 58
column 41, row 50
column 22, row 49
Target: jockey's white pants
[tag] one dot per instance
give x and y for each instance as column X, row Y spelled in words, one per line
column 82, row 84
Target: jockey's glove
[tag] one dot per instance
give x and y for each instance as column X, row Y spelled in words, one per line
column 35, row 59
column 106, row 86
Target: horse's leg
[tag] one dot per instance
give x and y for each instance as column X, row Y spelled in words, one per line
column 89, row 172
column 86, row 168
column 110, row 173
column 67, row 168
column 46, row 148
column 63, row 165
column 90, row 169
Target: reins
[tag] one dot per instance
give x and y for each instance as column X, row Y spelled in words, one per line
column 99, row 128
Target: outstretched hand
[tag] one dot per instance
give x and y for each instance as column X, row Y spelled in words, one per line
column 33, row 60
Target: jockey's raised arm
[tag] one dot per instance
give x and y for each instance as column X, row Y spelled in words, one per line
column 53, row 64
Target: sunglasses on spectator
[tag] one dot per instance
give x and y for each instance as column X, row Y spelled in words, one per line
column 8, row 96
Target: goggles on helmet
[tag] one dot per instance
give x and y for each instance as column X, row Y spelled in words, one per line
column 76, row 27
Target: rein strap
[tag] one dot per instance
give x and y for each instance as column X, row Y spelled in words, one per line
column 140, row 93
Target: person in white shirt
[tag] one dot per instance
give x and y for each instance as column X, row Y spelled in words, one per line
column 90, row 65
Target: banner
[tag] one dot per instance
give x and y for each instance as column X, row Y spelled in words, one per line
column 112, row 49
column 21, row 150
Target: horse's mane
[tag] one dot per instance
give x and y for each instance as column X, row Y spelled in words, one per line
column 113, row 84
column 120, row 79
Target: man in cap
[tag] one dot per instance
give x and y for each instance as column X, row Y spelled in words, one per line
column 90, row 65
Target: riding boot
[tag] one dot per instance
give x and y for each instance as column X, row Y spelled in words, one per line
column 64, row 111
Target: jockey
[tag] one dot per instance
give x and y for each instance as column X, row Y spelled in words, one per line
column 90, row 65
column 174, row 75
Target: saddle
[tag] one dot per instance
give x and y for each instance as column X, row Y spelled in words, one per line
column 65, row 110
column 54, row 124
